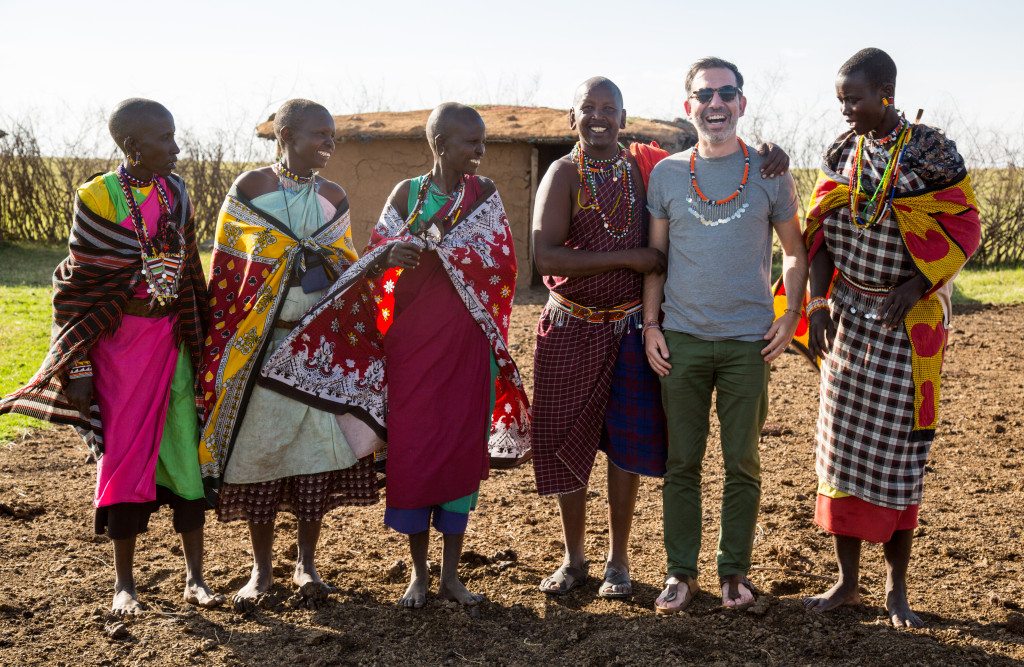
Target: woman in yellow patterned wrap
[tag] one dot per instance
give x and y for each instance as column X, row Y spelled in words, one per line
column 282, row 237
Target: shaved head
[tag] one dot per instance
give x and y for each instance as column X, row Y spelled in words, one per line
column 131, row 116
column 292, row 113
column 597, row 82
column 447, row 116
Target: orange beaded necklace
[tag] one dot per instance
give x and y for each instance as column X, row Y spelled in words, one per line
column 719, row 211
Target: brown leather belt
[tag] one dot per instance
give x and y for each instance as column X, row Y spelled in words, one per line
column 142, row 308
column 593, row 315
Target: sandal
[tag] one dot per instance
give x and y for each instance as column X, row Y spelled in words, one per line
column 755, row 592
column 671, row 594
column 614, row 578
column 567, row 577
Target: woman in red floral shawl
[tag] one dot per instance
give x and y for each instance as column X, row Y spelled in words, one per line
column 416, row 331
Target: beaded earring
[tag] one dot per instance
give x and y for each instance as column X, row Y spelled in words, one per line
column 886, row 101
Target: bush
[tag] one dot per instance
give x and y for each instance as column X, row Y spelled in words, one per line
column 37, row 191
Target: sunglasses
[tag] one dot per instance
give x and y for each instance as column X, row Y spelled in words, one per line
column 727, row 93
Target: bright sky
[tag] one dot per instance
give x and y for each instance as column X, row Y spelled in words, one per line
column 224, row 66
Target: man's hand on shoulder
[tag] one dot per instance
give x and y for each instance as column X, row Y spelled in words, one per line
column 776, row 161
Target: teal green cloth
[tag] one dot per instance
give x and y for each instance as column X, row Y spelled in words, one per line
column 117, row 195
column 177, row 464
column 739, row 373
column 433, row 202
column 298, row 207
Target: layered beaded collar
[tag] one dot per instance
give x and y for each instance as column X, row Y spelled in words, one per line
column 289, row 179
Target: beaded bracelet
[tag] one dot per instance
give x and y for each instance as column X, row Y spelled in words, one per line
column 81, row 369
column 816, row 304
column 652, row 324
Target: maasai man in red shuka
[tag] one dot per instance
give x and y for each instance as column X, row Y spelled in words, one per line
column 129, row 309
column 894, row 219
column 409, row 348
column 593, row 387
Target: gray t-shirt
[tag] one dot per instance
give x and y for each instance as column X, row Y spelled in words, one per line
column 718, row 284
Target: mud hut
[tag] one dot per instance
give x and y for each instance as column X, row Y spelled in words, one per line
column 377, row 150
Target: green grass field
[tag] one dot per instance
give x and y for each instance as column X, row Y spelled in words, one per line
column 25, row 272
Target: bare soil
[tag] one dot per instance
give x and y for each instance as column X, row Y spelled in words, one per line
column 967, row 576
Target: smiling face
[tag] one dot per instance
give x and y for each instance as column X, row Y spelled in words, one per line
column 309, row 143
column 861, row 102
column 715, row 120
column 597, row 116
column 152, row 143
column 462, row 150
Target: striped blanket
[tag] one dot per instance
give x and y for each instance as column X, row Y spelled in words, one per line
column 90, row 289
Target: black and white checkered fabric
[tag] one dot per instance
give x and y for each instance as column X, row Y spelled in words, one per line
column 866, row 415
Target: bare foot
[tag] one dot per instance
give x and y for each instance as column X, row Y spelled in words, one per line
column 455, row 590
column 199, row 594
column 843, row 593
column 415, row 595
column 254, row 593
column 312, row 592
column 125, row 603
column 899, row 610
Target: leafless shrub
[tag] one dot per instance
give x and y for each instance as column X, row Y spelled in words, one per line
column 37, row 190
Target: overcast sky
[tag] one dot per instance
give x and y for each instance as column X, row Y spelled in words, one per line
column 227, row 65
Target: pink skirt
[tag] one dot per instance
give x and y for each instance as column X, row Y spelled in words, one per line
column 132, row 370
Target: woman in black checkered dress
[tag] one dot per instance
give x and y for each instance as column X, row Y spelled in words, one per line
column 870, row 458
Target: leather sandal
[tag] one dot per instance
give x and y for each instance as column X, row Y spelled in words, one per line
column 670, row 602
column 614, row 578
column 567, row 577
column 755, row 592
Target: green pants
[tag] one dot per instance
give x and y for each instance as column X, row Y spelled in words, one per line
column 739, row 374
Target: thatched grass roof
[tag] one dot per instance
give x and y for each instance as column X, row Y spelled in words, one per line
column 505, row 124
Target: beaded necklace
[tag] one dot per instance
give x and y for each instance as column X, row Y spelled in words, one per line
column 160, row 267
column 280, row 169
column 618, row 168
column 454, row 210
column 892, row 136
column 876, row 207
column 720, row 211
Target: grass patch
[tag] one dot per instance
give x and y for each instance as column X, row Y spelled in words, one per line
column 995, row 286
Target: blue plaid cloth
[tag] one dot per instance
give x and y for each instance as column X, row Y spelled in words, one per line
column 634, row 436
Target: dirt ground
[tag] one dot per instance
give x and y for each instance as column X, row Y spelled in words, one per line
column 967, row 576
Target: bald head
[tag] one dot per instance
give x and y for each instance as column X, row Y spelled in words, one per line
column 133, row 117
column 595, row 83
column 446, row 117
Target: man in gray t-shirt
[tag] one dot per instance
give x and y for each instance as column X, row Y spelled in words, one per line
column 713, row 214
